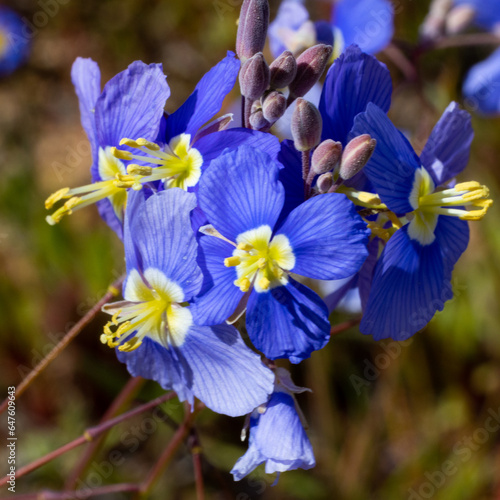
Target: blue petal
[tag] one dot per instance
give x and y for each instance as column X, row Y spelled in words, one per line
column 240, row 191
column 354, row 80
column 291, row 16
column 327, row 236
column 367, row 23
column 453, row 237
column 131, row 104
column 86, row 78
column 219, row 296
column 108, row 215
column 409, row 286
column 392, row 166
column 447, row 151
column 213, row 145
column 324, row 32
column 227, row 376
column 168, row 213
column 277, row 438
column 365, row 275
column 135, row 201
column 482, row 85
column 287, row 322
column 17, row 44
column 291, row 178
column 206, row 100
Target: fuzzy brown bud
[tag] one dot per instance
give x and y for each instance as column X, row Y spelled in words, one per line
column 274, row 106
column 306, row 125
column 252, row 28
column 324, row 182
column 283, row 70
column 326, row 157
column 254, row 77
column 310, row 66
column 257, row 120
column 356, row 155
column 459, row 18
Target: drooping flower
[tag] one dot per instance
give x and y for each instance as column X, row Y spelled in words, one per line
column 427, row 212
column 367, row 23
column 248, row 259
column 153, row 328
column 277, row 436
column 14, row 41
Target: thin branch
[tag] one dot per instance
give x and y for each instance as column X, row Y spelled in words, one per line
column 124, row 398
column 89, row 435
column 397, row 56
column 465, row 40
column 344, row 326
column 196, row 451
column 113, row 291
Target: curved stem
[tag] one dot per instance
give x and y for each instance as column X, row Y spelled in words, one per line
column 344, row 326
column 112, row 292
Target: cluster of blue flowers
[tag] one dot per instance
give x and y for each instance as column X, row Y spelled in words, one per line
column 221, row 223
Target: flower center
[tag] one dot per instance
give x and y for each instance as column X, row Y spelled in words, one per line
column 114, row 185
column 179, row 165
column 429, row 204
column 152, row 308
column 261, row 260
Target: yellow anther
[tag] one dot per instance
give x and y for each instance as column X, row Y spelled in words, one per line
column 246, row 247
column 369, row 198
column 71, row 203
column 55, row 197
column 120, row 154
column 114, row 318
column 139, row 170
column 124, row 181
column 129, row 142
column 232, row 261
column 131, row 345
column 148, row 144
column 378, row 231
column 243, row 284
column 264, row 283
column 261, row 263
column 103, row 338
column 476, row 194
column 394, row 219
column 467, row 186
column 474, row 215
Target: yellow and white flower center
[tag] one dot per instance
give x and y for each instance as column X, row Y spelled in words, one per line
column 178, row 166
column 152, row 308
column 261, row 260
column 114, row 185
column 428, row 204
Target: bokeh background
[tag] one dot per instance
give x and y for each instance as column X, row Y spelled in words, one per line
column 385, row 419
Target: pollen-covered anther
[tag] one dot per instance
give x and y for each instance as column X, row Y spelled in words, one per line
column 264, row 283
column 147, row 144
column 120, row 154
column 139, row 170
column 55, row 197
column 125, row 181
column 243, row 284
column 232, row 261
column 246, row 247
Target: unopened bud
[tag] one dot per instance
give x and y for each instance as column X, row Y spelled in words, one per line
column 254, row 77
column 306, row 125
column 326, row 157
column 274, row 106
column 257, row 120
column 252, row 28
column 460, row 18
column 356, row 155
column 310, row 66
column 324, row 182
column 433, row 25
column 283, row 70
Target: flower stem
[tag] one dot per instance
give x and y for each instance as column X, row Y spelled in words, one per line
column 112, row 292
column 344, row 326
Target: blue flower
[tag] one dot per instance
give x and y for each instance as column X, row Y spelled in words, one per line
column 277, row 436
column 248, row 259
column 131, row 103
column 482, row 85
column 367, row 23
column 14, row 43
column 427, row 215
column 153, row 328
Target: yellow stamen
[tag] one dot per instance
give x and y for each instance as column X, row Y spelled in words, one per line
column 120, row 154
column 148, row 144
column 55, row 197
column 243, row 284
column 139, row 170
column 264, row 283
column 246, row 247
column 232, row 261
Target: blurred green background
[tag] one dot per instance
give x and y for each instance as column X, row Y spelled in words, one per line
column 387, row 421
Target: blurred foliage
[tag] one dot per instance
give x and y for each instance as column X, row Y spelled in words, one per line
column 386, row 420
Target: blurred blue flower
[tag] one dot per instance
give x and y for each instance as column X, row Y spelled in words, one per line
column 153, row 328
column 427, row 231
column 367, row 23
column 247, row 257
column 14, row 42
column 486, row 12
column 481, row 87
column 277, row 436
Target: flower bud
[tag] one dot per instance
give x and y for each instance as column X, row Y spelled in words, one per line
column 283, row 70
column 459, row 18
column 252, row 28
column 254, row 77
column 326, row 157
column 310, row 66
column 306, row 125
column 257, row 120
column 324, row 182
column 433, row 25
column 356, row 155
column 274, row 106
